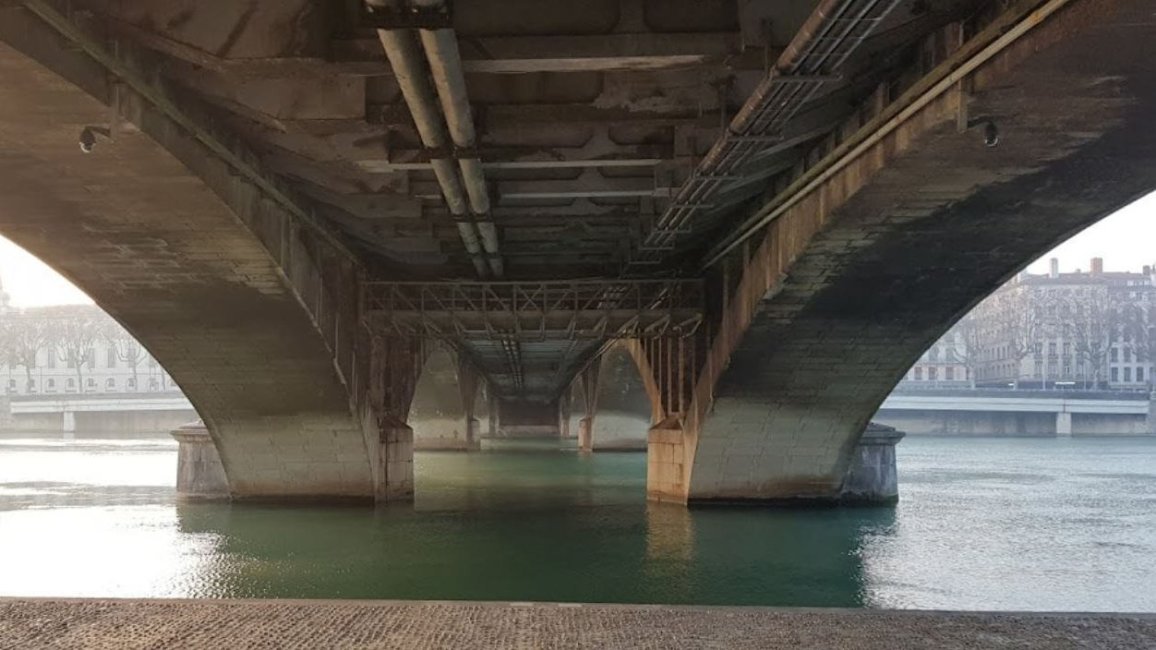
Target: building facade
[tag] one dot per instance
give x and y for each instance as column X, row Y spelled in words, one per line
column 1087, row 329
column 73, row 349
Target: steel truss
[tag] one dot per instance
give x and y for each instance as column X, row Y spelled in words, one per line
column 537, row 311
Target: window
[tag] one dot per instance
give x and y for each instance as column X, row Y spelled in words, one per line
column 919, row 374
column 949, row 373
column 1115, row 374
column 130, row 383
column 153, row 383
column 52, row 383
column 91, row 382
column 32, row 385
column 110, row 356
column 110, row 384
column 1127, row 374
column 1052, row 348
column 1115, row 354
column 932, row 373
column 71, row 384
column 1127, row 354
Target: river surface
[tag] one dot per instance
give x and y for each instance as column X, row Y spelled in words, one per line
column 983, row 523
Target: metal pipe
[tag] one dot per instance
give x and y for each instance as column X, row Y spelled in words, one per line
column 445, row 62
column 401, row 49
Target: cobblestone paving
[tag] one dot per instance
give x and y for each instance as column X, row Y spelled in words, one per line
column 132, row 624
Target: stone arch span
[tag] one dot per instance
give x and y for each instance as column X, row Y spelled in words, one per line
column 914, row 221
column 249, row 309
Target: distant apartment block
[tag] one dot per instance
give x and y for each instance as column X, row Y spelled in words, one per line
column 72, row 349
column 1087, row 329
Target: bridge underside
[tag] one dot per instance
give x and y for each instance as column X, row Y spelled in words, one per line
column 186, row 270
column 777, row 205
column 901, row 242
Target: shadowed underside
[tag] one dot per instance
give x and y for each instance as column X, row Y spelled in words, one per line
column 779, row 204
column 913, row 233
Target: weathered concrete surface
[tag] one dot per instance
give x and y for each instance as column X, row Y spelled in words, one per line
column 28, row 624
column 248, row 311
column 200, row 474
column 853, row 282
column 872, row 477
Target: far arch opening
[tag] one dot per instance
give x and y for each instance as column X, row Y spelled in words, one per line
column 623, row 410
column 1077, row 322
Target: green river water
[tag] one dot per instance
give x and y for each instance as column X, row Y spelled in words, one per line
column 983, row 523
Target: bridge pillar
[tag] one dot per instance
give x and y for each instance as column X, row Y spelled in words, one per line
column 68, row 421
column 667, row 462
column 872, row 477
column 589, row 379
column 1064, row 424
column 444, row 404
column 200, row 474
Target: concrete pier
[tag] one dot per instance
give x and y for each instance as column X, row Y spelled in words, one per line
column 200, row 474
column 872, row 477
column 130, row 624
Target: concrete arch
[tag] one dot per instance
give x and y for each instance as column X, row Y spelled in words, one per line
column 448, row 406
column 852, row 283
column 252, row 313
column 625, row 402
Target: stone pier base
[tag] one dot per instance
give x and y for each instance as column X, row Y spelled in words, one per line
column 200, row 474
column 872, row 477
column 586, row 434
column 396, row 458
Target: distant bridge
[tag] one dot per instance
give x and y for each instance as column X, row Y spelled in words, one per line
column 40, row 411
column 1024, row 412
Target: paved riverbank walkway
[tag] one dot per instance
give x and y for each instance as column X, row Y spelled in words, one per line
column 240, row 624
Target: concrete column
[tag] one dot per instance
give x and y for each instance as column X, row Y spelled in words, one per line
column 666, row 463
column 871, row 476
column 473, row 433
column 396, row 457
column 1064, row 424
column 495, row 421
column 564, row 414
column 200, row 474
column 586, row 434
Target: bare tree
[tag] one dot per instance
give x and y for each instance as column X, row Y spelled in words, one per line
column 23, row 336
column 1087, row 321
column 74, row 330
column 1133, row 327
column 124, row 346
column 1016, row 317
column 968, row 348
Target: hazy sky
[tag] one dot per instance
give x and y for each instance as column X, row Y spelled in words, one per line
column 1126, row 240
